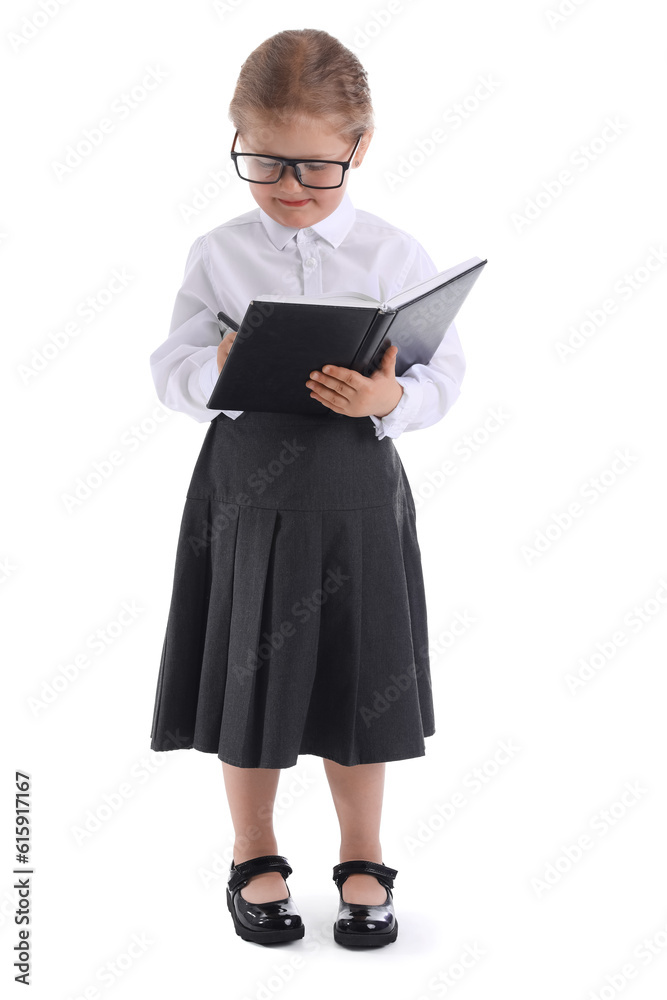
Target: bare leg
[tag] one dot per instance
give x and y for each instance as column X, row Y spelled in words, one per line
column 251, row 792
column 357, row 794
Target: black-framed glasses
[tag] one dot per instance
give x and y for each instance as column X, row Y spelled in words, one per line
column 256, row 168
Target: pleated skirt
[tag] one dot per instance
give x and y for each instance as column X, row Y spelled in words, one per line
column 297, row 622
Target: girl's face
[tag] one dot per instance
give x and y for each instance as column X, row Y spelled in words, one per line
column 298, row 141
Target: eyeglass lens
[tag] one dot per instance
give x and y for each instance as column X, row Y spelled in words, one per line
column 266, row 169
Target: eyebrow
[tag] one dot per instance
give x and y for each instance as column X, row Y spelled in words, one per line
column 310, row 156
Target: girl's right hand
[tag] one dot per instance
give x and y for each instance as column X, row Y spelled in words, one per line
column 225, row 347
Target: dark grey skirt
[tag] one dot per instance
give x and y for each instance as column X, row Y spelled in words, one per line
column 297, row 622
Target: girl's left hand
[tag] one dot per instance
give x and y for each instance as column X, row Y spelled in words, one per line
column 348, row 392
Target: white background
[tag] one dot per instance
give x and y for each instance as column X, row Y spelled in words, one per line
column 469, row 882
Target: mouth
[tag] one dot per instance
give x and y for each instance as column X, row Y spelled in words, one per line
column 295, row 204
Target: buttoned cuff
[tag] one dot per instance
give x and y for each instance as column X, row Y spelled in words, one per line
column 394, row 423
column 208, row 376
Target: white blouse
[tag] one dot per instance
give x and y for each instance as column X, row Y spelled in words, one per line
column 349, row 251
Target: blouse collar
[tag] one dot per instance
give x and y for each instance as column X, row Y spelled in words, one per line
column 333, row 229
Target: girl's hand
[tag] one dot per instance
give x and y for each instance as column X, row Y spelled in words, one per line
column 224, row 348
column 348, row 392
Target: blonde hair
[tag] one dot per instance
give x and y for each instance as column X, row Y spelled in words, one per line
column 300, row 75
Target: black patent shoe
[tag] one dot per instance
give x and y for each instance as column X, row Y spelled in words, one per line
column 264, row 923
column 361, row 924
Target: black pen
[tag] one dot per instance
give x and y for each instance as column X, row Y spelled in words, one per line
column 227, row 321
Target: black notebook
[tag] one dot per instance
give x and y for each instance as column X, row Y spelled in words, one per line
column 281, row 339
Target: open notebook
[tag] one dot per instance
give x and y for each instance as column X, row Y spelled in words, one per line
column 281, row 339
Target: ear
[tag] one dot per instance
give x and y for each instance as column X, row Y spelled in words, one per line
column 363, row 147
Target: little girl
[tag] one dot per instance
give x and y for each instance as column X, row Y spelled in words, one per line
column 297, row 622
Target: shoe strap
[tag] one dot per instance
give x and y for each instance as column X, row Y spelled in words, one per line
column 384, row 875
column 240, row 873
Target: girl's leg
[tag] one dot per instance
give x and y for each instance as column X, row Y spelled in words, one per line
column 251, row 792
column 357, row 794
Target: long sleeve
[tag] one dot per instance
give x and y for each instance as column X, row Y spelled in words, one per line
column 184, row 367
column 429, row 391
column 253, row 254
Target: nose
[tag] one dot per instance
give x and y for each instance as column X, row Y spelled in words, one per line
column 289, row 183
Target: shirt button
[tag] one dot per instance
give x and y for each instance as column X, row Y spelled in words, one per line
column 311, row 262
